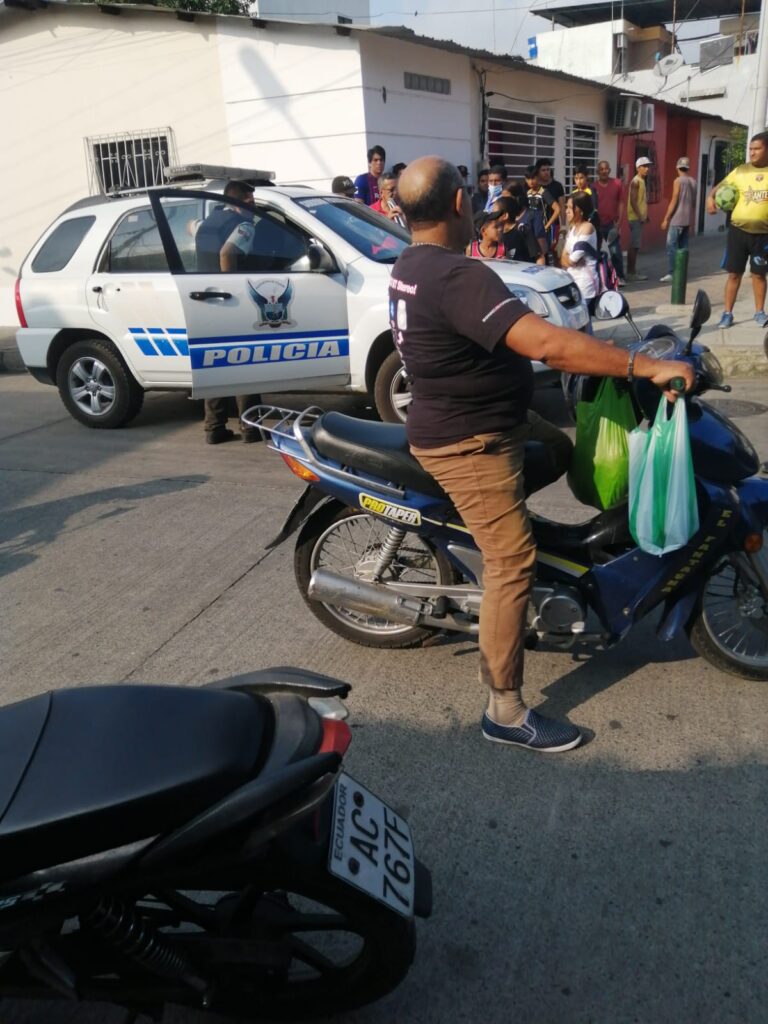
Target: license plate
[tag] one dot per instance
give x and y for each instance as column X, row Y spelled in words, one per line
column 371, row 846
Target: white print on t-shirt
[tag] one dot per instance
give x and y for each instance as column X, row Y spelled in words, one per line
column 402, row 315
column 496, row 309
column 401, row 286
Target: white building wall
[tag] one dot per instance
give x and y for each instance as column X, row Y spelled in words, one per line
column 565, row 101
column 586, row 51
column 293, row 100
column 410, row 123
column 67, row 74
column 321, row 11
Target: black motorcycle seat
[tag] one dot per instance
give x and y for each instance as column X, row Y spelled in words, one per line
column 589, row 542
column 381, row 449
column 89, row 769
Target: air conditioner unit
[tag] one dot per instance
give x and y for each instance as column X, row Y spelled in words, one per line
column 646, row 121
column 625, row 114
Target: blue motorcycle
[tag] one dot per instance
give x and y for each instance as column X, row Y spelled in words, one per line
column 383, row 559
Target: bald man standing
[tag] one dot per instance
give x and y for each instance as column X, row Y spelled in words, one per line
column 467, row 346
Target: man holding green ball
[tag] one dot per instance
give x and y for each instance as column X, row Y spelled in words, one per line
column 748, row 230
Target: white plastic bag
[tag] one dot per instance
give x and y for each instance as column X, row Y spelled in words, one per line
column 663, row 512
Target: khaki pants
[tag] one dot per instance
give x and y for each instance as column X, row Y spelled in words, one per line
column 483, row 476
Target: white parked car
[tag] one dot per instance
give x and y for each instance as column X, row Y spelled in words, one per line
column 113, row 303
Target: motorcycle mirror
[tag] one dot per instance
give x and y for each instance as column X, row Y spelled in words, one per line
column 701, row 312
column 610, row 306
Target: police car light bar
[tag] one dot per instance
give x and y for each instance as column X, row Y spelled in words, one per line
column 205, row 172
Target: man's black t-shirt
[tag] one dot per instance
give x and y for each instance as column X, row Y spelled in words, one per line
column 449, row 317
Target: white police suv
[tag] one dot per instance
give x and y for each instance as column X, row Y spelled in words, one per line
column 117, row 298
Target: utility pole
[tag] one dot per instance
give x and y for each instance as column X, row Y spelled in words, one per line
column 760, row 107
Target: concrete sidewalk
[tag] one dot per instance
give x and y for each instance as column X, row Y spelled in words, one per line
column 741, row 348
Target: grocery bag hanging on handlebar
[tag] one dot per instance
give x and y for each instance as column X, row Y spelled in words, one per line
column 599, row 473
column 663, row 513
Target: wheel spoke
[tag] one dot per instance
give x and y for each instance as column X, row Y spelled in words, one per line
column 402, row 400
column 107, row 391
column 98, row 369
column 313, row 957
column 78, row 393
column 95, row 403
column 79, row 371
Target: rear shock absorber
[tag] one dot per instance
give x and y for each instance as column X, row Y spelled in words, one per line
column 119, row 924
column 389, row 549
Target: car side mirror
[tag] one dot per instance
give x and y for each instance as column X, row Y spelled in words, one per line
column 320, row 260
column 610, row 306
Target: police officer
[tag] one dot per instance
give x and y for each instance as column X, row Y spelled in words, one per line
column 210, row 238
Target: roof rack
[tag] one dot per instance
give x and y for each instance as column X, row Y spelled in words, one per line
column 205, row 172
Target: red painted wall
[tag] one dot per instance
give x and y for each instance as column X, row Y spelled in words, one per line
column 673, row 136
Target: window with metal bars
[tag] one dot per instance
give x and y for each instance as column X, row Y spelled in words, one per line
column 517, row 139
column 128, row 161
column 582, row 144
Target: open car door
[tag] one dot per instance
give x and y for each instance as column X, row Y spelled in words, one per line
column 265, row 303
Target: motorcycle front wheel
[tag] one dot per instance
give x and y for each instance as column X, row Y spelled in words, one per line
column 730, row 629
column 349, row 542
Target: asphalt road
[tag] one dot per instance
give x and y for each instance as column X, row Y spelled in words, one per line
column 623, row 882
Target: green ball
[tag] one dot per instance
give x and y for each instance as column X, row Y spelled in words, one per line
column 726, row 198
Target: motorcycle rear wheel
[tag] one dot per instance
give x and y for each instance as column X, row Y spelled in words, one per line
column 347, row 542
column 730, row 629
column 347, row 950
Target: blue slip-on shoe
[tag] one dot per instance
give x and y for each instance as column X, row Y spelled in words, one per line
column 536, row 733
column 726, row 320
column 761, row 319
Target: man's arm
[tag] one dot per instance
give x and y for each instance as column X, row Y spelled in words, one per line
column 228, row 258
column 574, row 352
column 555, row 215
column 672, row 205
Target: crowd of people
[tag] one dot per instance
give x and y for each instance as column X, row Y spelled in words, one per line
column 536, row 219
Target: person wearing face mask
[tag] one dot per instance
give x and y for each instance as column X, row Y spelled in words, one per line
column 495, row 185
column 387, row 204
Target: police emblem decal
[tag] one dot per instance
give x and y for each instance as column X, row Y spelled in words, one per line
column 272, row 298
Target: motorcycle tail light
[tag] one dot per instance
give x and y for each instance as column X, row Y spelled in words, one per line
column 299, row 469
column 336, row 737
column 753, row 542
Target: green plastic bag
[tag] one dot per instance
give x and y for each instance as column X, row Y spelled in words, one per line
column 599, row 473
column 663, row 512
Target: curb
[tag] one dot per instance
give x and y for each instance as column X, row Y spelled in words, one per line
column 11, row 361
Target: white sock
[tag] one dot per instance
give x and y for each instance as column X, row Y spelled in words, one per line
column 506, row 707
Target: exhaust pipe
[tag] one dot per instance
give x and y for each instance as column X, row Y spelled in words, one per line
column 372, row 598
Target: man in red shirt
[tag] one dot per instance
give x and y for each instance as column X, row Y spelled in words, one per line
column 609, row 193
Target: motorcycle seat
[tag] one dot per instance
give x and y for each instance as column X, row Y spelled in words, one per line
column 592, row 542
column 381, row 449
column 90, row 769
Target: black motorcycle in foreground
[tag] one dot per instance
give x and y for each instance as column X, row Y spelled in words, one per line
column 200, row 847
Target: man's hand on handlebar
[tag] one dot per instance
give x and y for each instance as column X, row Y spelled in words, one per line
column 668, row 370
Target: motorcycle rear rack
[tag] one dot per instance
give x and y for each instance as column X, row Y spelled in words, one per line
column 291, row 425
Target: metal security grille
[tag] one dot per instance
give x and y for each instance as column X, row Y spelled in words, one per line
column 517, row 139
column 582, row 144
column 126, row 161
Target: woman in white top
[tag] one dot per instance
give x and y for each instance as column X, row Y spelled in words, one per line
column 580, row 253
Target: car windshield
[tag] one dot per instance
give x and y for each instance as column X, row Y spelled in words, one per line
column 370, row 233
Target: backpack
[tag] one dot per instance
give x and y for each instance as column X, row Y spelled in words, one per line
column 607, row 278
